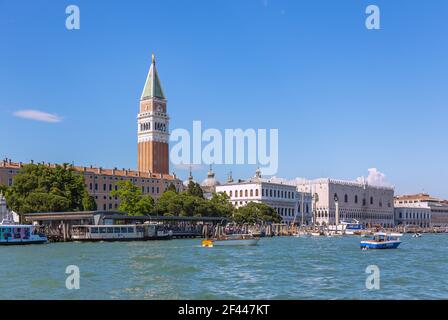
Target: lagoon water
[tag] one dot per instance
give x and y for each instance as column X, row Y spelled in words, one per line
column 278, row 268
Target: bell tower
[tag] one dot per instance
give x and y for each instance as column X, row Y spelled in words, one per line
column 153, row 122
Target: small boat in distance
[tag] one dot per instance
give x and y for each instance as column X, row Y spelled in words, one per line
column 220, row 238
column 20, row 234
column 381, row 240
column 352, row 227
column 231, row 240
column 396, row 234
column 416, row 235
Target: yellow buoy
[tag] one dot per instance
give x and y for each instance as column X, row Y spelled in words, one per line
column 207, row 243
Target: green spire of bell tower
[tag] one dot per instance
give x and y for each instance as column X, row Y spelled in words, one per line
column 153, row 87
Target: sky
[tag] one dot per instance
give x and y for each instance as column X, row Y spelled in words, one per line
column 344, row 99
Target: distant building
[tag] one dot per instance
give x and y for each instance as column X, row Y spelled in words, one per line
column 371, row 205
column 282, row 197
column 421, row 210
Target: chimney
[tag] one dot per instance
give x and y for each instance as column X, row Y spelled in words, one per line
column 99, row 170
column 32, row 161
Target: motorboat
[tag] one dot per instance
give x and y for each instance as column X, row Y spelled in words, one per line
column 381, row 240
column 231, row 240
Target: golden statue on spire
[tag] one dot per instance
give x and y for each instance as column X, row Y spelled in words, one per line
column 153, row 58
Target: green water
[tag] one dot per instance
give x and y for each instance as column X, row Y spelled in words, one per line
column 278, row 268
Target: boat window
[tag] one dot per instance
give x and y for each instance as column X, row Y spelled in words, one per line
column 140, row 229
column 117, row 230
column 103, row 230
column 124, row 230
column 94, row 230
column 130, row 229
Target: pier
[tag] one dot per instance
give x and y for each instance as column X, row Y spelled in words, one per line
column 57, row 226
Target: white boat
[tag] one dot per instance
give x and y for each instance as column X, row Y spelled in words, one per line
column 133, row 232
column 416, row 235
column 231, row 240
column 348, row 227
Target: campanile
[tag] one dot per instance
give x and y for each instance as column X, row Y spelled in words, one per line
column 153, row 130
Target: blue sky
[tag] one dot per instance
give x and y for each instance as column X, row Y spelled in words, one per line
column 344, row 98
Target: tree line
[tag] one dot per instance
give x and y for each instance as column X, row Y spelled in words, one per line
column 39, row 188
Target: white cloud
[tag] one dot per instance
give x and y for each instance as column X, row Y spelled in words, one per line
column 375, row 178
column 37, row 115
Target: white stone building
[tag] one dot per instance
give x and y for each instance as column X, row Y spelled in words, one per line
column 283, row 198
column 370, row 205
column 421, row 210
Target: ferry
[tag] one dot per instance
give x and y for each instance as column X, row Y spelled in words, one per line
column 381, row 240
column 232, row 240
column 19, row 234
column 139, row 232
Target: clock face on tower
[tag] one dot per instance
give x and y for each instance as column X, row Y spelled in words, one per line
column 159, row 108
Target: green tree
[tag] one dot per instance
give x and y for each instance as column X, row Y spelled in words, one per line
column 171, row 187
column 221, row 205
column 194, row 189
column 169, row 203
column 39, row 188
column 132, row 200
column 256, row 213
column 3, row 189
column 89, row 204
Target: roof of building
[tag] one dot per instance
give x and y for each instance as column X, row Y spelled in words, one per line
column 257, row 179
column 416, row 197
column 153, row 86
column 115, row 215
column 99, row 170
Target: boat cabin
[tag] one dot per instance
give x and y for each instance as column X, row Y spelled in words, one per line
column 11, row 232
